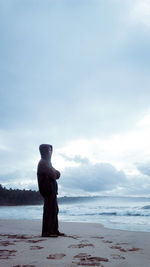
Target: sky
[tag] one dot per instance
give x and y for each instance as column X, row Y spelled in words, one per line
column 75, row 74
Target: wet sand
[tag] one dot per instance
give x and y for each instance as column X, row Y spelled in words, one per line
column 85, row 244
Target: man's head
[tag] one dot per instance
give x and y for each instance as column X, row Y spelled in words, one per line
column 46, row 151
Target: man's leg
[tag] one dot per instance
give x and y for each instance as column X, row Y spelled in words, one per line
column 56, row 220
column 48, row 226
column 56, row 216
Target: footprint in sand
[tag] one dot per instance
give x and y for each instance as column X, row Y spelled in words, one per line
column 125, row 250
column 85, row 259
column 5, row 254
column 57, row 256
column 107, row 241
column 117, row 257
column 81, row 245
column 18, row 236
column 119, row 248
column 6, row 243
column 35, row 247
column 35, row 241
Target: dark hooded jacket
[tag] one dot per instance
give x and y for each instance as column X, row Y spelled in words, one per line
column 46, row 174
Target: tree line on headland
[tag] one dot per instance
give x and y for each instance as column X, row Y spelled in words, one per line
column 19, row 197
column 11, row 197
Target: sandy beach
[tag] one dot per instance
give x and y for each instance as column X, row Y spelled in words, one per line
column 85, row 244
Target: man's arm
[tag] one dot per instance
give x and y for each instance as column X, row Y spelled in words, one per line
column 58, row 174
column 45, row 184
column 50, row 171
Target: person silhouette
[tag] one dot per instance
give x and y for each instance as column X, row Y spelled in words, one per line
column 48, row 188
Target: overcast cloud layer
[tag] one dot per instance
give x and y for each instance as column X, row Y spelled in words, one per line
column 76, row 74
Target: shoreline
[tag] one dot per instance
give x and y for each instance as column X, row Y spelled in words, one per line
column 84, row 222
column 85, row 244
column 75, row 222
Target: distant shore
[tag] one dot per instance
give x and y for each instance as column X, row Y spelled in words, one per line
column 20, row 197
column 85, row 244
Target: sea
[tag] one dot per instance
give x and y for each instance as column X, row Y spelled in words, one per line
column 125, row 213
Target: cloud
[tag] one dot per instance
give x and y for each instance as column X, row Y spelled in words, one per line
column 84, row 163
column 19, row 179
column 80, row 85
column 76, row 159
column 103, row 179
column 144, row 168
column 140, row 12
column 92, row 178
column 137, row 185
column 122, row 150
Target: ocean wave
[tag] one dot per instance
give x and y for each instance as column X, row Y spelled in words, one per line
column 125, row 213
column 146, row 207
column 108, row 213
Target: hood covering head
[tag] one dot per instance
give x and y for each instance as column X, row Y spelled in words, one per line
column 44, row 151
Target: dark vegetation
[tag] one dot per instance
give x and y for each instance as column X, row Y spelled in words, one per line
column 19, row 197
column 10, row 197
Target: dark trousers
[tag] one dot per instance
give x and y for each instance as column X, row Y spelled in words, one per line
column 50, row 215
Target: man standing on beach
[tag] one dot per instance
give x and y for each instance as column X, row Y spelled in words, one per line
column 48, row 188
